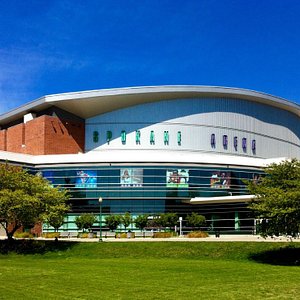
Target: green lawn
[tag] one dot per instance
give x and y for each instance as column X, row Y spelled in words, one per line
column 158, row 270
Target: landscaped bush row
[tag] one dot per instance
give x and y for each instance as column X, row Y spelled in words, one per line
column 23, row 235
column 51, row 235
column 122, row 235
column 164, row 234
column 197, row 234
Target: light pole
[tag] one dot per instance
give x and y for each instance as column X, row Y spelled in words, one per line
column 180, row 226
column 100, row 218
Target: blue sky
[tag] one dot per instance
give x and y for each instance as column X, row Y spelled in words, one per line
column 49, row 47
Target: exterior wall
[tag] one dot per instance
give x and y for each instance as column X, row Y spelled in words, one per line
column 276, row 131
column 16, row 138
column 63, row 137
column 44, row 135
column 35, row 136
column 149, row 190
column 3, row 140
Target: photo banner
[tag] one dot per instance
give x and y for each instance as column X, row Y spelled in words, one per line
column 177, row 178
column 131, row 177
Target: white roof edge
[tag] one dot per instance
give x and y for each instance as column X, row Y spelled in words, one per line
column 139, row 156
column 49, row 100
column 166, row 89
column 163, row 89
column 221, row 199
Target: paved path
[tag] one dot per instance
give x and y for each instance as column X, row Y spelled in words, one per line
column 222, row 238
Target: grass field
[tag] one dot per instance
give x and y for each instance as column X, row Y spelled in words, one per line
column 158, row 270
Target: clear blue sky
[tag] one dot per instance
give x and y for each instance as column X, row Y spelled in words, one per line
column 49, row 47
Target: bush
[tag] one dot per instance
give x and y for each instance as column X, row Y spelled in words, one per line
column 84, row 235
column 121, row 235
column 23, row 235
column 51, row 235
column 164, row 234
column 197, row 234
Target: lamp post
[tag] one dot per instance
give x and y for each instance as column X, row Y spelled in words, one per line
column 180, row 226
column 100, row 218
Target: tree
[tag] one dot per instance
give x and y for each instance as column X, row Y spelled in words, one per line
column 113, row 221
column 27, row 199
column 168, row 219
column 126, row 220
column 55, row 219
column 154, row 222
column 277, row 202
column 85, row 221
column 195, row 220
column 141, row 221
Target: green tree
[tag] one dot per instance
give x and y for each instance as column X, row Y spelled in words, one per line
column 85, row 221
column 113, row 221
column 27, row 199
column 126, row 220
column 141, row 221
column 168, row 219
column 195, row 220
column 277, row 199
column 154, row 222
column 55, row 218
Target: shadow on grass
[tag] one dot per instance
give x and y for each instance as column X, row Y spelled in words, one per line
column 284, row 256
column 28, row 246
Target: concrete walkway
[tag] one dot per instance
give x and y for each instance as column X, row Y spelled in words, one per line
column 222, row 238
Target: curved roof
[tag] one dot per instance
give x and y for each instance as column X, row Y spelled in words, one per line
column 87, row 104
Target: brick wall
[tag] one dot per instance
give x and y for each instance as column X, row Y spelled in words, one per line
column 44, row 135
column 3, row 140
column 15, row 138
column 34, row 136
column 63, row 136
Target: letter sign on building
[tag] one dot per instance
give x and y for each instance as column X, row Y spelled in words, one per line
column 213, row 140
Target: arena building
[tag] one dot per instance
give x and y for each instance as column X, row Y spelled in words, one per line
column 149, row 150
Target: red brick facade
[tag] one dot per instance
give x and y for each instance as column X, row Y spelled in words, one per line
column 44, row 135
column 3, row 140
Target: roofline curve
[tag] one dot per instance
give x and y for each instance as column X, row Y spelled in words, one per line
column 86, row 104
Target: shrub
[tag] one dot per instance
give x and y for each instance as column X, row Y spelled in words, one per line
column 121, row 235
column 164, row 234
column 197, row 234
column 51, row 235
column 23, row 235
column 84, row 235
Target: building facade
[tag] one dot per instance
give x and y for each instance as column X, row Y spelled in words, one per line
column 149, row 150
